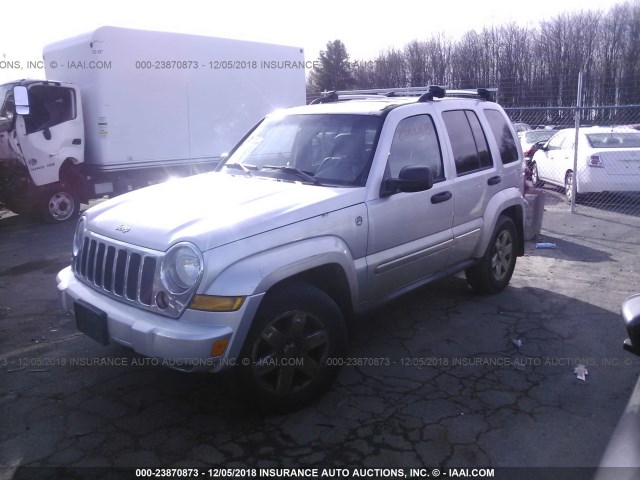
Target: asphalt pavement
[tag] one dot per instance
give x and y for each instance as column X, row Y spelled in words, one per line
column 441, row 378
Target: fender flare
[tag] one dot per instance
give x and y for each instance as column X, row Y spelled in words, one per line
column 503, row 200
column 257, row 273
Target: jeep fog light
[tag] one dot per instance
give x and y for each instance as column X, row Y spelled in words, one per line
column 212, row 303
column 181, row 268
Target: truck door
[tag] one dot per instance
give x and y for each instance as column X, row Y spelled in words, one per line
column 51, row 133
column 410, row 233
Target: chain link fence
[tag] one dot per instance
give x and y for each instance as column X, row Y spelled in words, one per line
column 594, row 166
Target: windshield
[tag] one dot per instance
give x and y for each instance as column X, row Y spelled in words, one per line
column 6, row 101
column 614, row 140
column 328, row 149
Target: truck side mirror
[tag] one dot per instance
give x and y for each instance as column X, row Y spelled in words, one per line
column 411, row 178
column 21, row 99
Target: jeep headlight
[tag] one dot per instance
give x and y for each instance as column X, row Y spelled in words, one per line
column 181, row 268
column 78, row 237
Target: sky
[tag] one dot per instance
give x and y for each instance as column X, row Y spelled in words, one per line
column 365, row 27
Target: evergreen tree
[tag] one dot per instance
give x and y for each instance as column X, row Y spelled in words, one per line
column 334, row 72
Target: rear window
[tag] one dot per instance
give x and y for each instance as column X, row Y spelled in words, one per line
column 535, row 136
column 614, row 140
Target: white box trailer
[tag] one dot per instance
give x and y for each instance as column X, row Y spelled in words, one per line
column 125, row 108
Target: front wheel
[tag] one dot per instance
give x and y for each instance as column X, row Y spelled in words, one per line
column 494, row 271
column 293, row 350
column 59, row 205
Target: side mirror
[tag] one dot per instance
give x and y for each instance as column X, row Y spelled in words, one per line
column 47, row 133
column 412, row 178
column 21, row 99
column 631, row 317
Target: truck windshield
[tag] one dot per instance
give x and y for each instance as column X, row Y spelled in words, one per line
column 6, row 101
column 327, row 149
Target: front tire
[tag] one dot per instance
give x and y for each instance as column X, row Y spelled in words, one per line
column 291, row 354
column 494, row 271
column 59, row 205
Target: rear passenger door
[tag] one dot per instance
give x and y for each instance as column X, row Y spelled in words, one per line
column 476, row 179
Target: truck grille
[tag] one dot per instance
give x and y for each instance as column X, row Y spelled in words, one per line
column 119, row 270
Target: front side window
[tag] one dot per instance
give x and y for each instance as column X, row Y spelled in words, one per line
column 415, row 143
column 556, row 142
column 49, row 106
column 468, row 142
column 502, row 135
column 332, row 149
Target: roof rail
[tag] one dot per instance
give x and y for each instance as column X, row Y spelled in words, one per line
column 483, row 93
column 425, row 94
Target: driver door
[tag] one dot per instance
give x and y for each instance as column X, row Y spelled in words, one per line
column 410, row 234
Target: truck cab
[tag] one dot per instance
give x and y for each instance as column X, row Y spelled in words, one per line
column 41, row 149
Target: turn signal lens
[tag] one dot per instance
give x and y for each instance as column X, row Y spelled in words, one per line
column 211, row 303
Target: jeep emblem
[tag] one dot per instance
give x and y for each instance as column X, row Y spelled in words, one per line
column 123, row 229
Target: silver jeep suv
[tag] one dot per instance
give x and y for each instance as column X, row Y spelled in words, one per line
column 321, row 213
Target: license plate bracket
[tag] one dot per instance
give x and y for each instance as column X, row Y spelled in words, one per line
column 91, row 321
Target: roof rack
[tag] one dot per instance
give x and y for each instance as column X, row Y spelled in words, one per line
column 425, row 94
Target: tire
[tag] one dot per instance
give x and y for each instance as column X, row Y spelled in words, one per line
column 535, row 178
column 59, row 205
column 494, row 271
column 568, row 182
column 296, row 324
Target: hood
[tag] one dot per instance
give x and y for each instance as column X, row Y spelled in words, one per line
column 212, row 209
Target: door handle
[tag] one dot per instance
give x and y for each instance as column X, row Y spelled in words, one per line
column 441, row 197
column 494, row 180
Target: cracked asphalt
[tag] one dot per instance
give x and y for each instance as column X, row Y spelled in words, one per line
column 442, row 377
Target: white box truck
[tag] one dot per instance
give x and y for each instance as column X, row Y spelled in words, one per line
column 124, row 108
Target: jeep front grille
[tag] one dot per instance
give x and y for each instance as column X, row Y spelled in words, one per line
column 128, row 273
column 117, row 270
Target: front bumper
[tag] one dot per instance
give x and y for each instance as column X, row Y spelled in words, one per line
column 185, row 343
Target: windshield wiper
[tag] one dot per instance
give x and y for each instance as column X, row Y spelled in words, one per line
column 294, row 171
column 241, row 166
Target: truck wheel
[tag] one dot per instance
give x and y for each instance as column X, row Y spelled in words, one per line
column 59, row 206
column 494, row 271
column 291, row 353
